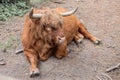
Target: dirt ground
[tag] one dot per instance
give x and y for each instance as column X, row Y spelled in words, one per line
column 86, row 62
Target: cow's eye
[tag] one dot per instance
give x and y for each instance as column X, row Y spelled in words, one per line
column 54, row 29
column 48, row 29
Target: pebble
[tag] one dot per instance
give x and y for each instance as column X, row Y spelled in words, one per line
column 2, row 62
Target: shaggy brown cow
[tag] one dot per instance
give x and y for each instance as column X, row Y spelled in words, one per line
column 48, row 31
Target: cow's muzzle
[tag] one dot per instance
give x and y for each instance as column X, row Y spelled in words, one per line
column 60, row 39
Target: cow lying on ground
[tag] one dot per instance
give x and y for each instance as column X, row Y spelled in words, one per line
column 48, row 31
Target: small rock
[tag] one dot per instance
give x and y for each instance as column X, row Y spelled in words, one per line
column 2, row 23
column 79, row 0
column 1, row 59
column 2, row 62
column 4, row 50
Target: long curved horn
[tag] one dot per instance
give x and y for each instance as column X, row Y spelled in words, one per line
column 31, row 15
column 69, row 12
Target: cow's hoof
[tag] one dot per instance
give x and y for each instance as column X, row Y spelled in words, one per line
column 59, row 56
column 34, row 73
column 97, row 41
column 79, row 40
column 68, row 50
column 43, row 58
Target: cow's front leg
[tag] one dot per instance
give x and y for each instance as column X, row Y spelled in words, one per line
column 32, row 57
column 61, row 50
column 44, row 57
column 84, row 31
column 45, row 53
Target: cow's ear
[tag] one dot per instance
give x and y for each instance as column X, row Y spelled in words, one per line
column 31, row 12
column 34, row 20
column 34, row 15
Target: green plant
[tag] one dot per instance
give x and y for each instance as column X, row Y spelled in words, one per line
column 35, row 1
column 10, row 1
column 8, row 43
column 1, row 46
column 12, row 9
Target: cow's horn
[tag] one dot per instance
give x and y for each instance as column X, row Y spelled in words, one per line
column 69, row 12
column 34, row 15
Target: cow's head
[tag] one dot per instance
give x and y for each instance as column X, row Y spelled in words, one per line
column 51, row 23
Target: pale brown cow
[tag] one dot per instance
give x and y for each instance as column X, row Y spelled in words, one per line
column 48, row 31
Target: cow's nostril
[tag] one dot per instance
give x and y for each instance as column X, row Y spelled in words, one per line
column 59, row 38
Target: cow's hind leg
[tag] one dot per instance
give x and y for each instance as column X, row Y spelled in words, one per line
column 33, row 59
column 78, row 37
column 84, row 31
